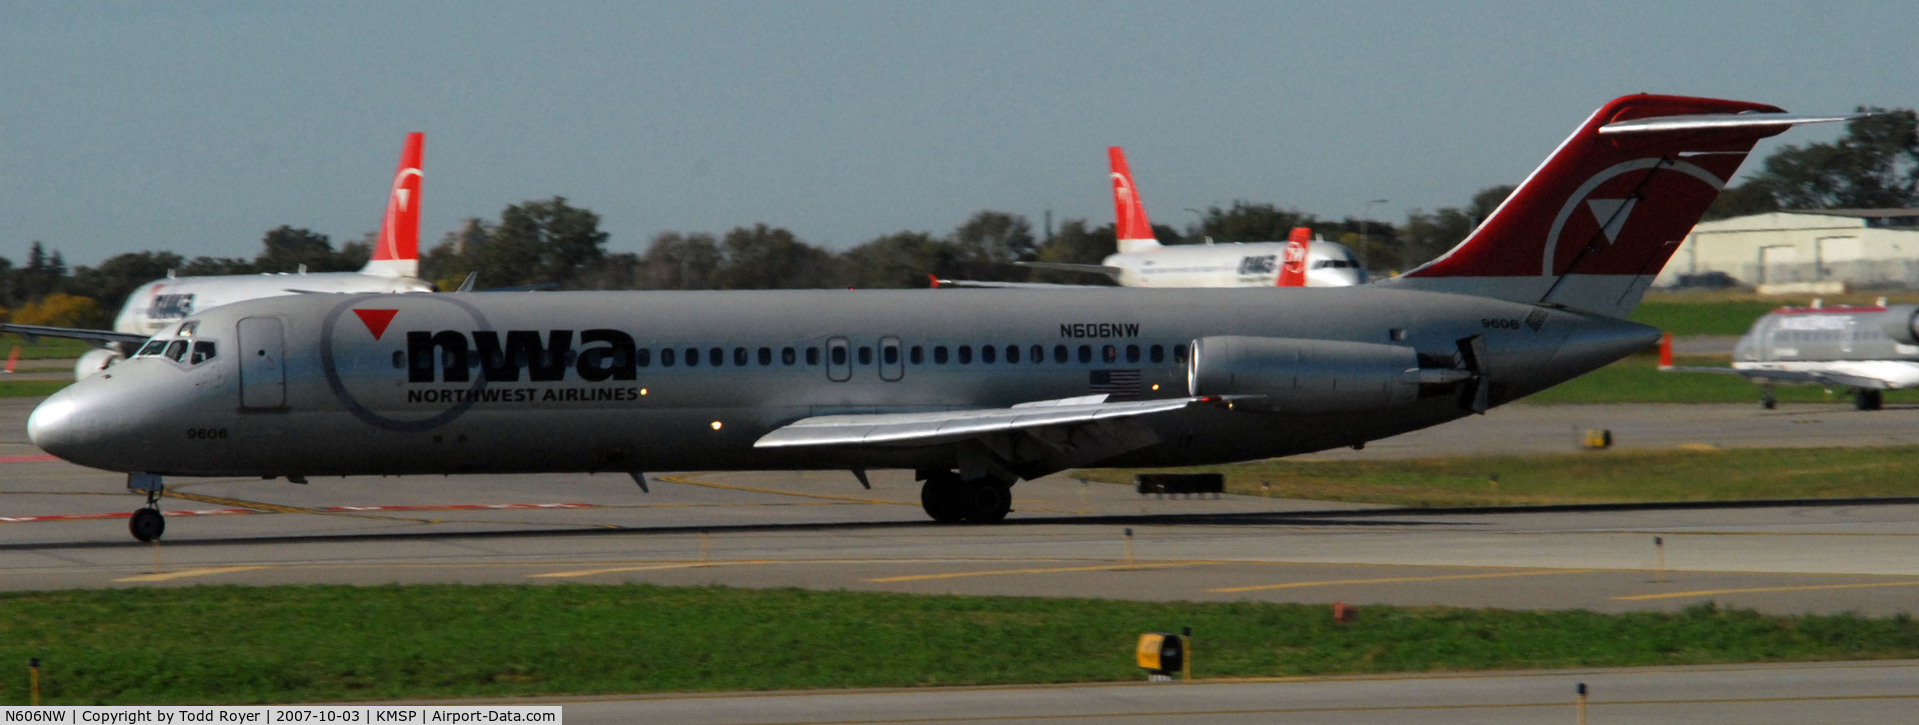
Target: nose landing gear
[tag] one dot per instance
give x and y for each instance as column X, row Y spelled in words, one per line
column 951, row 500
column 147, row 523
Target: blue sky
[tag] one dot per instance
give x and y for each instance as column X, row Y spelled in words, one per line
column 197, row 126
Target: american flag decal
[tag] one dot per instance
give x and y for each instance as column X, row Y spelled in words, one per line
column 1118, row 384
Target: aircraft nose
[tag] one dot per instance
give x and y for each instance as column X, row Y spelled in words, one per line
column 67, row 423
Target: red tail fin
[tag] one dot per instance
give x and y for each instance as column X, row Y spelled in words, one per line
column 397, row 253
column 1129, row 213
column 1292, row 269
column 1592, row 226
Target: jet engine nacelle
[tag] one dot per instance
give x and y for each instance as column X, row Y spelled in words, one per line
column 1902, row 324
column 1305, row 376
column 95, row 360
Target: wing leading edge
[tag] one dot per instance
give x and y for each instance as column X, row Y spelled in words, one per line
column 73, row 333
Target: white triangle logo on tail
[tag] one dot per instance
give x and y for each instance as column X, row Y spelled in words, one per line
column 1612, row 214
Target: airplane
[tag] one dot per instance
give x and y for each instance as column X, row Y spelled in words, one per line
column 157, row 305
column 1869, row 349
column 1141, row 261
column 973, row 390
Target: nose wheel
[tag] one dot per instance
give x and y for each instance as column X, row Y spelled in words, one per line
column 147, row 524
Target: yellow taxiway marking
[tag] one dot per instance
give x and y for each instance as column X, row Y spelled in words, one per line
column 187, row 573
column 777, row 492
column 1763, row 590
column 1400, row 580
column 1049, row 570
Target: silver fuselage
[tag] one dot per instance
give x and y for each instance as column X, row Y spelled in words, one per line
column 318, row 385
column 1850, row 341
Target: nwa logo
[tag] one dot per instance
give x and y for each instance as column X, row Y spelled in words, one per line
column 450, row 356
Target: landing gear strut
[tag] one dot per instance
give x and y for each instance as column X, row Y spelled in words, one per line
column 950, row 500
column 1766, row 399
column 147, row 523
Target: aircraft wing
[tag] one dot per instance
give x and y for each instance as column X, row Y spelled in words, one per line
column 1034, row 438
column 73, row 333
column 1112, row 272
column 1826, row 378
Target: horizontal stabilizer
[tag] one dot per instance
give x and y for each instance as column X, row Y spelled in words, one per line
column 1720, row 121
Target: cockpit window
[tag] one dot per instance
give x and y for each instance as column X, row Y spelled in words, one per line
column 202, row 352
column 188, row 328
column 153, row 347
column 176, row 350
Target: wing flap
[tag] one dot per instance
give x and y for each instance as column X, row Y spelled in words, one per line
column 934, row 427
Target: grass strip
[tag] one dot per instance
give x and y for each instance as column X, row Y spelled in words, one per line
column 45, row 348
column 1583, row 477
column 31, row 388
column 240, row 645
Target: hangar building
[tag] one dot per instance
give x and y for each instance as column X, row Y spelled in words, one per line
column 1859, row 248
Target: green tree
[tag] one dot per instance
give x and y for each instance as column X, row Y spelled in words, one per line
column 1076, row 244
column 1428, row 235
column 1874, row 165
column 117, row 277
column 763, row 257
column 289, row 249
column 678, row 261
column 901, row 260
column 539, row 242
column 1250, row 222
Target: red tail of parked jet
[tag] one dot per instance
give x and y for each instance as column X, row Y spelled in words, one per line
column 1129, row 213
column 1592, row 226
column 1292, row 266
column 397, row 253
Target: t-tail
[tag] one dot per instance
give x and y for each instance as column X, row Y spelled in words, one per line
column 1292, row 268
column 1593, row 225
column 1129, row 213
column 397, row 253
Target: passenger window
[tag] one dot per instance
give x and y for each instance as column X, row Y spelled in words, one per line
column 766, row 356
column 666, row 357
column 788, row 356
column 177, row 350
column 1012, row 354
column 692, row 356
column 939, row 354
column 715, row 357
column 1109, row 354
column 1085, row 354
column 202, row 352
column 1059, row 353
column 1038, row 354
column 917, row 355
column 1158, row 353
column 812, row 356
column 1132, row 353
column 987, row 353
column 890, row 355
column 643, row 357
column 739, row 356
column 839, row 356
column 866, row 355
column 1179, row 354
column 965, row 354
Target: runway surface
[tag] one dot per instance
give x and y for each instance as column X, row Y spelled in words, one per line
column 62, row 526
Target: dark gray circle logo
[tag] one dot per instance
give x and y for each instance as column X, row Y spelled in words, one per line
column 329, row 365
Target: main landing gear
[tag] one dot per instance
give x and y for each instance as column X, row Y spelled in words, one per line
column 147, row 523
column 951, row 500
column 1766, row 399
column 1864, row 399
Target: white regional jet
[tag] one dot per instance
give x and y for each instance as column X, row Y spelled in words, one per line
column 1867, row 349
column 1142, row 261
column 974, row 390
column 154, row 306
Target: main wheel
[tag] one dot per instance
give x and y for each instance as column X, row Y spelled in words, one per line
column 940, row 497
column 147, row 524
column 987, row 502
column 1868, row 400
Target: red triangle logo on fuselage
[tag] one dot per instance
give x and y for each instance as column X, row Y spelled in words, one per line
column 376, row 320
